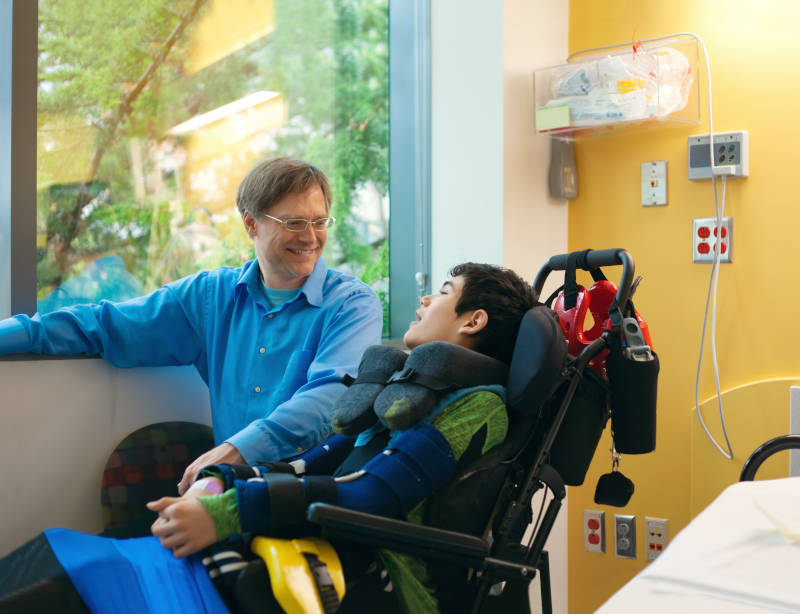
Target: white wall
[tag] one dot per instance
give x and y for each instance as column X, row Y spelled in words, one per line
column 490, row 200
column 466, row 134
column 535, row 34
column 61, row 419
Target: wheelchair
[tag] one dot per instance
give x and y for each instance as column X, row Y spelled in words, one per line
column 564, row 385
column 478, row 542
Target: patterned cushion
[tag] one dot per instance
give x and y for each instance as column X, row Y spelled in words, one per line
column 146, row 465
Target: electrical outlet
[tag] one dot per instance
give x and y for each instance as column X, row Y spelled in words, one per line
column 655, row 536
column 625, row 536
column 704, row 238
column 654, row 183
column 731, row 153
column 594, row 531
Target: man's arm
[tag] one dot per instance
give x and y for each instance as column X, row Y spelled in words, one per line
column 304, row 420
column 149, row 330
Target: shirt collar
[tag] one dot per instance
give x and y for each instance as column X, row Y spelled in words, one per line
column 312, row 288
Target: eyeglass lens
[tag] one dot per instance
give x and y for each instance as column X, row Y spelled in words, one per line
column 299, row 225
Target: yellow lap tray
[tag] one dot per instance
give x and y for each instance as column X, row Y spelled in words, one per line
column 293, row 580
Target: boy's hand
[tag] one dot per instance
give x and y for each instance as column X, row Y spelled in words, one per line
column 183, row 525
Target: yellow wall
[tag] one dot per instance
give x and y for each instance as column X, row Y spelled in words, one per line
column 225, row 26
column 752, row 46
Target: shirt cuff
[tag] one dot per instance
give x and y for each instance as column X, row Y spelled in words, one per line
column 257, row 445
column 14, row 338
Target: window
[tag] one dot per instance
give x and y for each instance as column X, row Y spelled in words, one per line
column 150, row 114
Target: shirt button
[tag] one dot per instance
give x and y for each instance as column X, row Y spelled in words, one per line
column 262, row 350
column 257, row 388
column 270, row 315
column 299, row 449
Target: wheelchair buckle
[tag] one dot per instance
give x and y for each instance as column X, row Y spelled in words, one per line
column 637, row 349
column 639, row 354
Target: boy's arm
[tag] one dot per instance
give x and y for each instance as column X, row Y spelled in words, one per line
column 414, row 466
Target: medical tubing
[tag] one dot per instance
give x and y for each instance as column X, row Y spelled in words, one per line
column 715, row 264
column 712, row 284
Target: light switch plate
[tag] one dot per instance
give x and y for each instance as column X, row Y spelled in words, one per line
column 654, row 183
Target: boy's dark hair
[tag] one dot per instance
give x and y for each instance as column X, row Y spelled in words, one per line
column 272, row 180
column 505, row 297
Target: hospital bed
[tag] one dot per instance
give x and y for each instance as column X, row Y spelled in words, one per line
column 740, row 555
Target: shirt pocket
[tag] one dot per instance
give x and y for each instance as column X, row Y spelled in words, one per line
column 295, row 376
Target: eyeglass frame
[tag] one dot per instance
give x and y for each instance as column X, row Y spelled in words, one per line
column 328, row 221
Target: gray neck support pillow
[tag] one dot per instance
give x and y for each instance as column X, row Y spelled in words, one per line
column 353, row 411
column 409, row 394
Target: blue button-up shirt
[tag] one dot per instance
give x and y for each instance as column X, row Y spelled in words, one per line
column 272, row 373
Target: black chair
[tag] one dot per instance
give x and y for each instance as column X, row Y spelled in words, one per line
column 557, row 411
column 764, row 451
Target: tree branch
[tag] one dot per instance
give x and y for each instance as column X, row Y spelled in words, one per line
column 125, row 106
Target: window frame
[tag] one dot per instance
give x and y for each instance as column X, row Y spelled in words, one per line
column 409, row 157
column 409, row 160
column 18, row 58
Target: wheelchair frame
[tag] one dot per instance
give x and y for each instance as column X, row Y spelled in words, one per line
column 505, row 558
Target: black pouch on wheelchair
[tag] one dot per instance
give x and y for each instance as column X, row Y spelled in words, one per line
column 580, row 431
column 634, row 385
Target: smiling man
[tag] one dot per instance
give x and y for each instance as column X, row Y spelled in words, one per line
column 272, row 338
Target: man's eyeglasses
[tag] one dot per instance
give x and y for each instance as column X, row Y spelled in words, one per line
column 300, row 225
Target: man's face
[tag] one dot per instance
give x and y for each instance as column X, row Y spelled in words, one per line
column 287, row 258
column 437, row 319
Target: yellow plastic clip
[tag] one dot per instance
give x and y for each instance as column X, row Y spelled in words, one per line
column 292, row 578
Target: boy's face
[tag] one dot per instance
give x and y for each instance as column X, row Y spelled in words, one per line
column 437, row 319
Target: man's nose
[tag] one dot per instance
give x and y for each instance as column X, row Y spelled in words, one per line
column 308, row 234
column 425, row 300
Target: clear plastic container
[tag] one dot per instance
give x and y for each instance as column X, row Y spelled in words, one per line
column 618, row 87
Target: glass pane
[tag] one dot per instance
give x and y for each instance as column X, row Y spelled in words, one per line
column 151, row 112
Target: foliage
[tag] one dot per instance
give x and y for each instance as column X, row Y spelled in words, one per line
column 329, row 60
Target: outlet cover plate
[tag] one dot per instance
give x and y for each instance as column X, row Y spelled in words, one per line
column 654, row 183
column 704, row 237
column 731, row 149
column 594, row 531
column 625, row 536
column 656, row 535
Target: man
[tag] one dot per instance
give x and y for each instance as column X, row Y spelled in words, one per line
column 479, row 308
column 272, row 339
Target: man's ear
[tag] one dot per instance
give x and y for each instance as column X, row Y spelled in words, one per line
column 249, row 223
column 476, row 323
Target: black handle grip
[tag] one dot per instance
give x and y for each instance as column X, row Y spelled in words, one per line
column 595, row 259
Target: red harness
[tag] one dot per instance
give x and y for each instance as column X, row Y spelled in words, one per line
column 596, row 300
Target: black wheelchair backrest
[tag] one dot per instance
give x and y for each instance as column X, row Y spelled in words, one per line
column 537, row 362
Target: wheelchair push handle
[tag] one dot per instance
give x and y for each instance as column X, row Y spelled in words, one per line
column 592, row 259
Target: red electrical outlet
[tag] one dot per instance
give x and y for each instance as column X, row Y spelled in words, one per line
column 705, row 236
column 594, row 531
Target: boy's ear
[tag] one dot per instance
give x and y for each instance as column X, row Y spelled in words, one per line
column 249, row 223
column 476, row 323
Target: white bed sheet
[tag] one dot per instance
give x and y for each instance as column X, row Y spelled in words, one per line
column 739, row 555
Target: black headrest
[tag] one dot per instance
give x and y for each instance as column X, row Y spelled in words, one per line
column 539, row 355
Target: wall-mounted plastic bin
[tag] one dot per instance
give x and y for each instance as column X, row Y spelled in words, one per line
column 609, row 89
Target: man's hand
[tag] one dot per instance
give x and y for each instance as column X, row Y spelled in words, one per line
column 183, row 525
column 223, row 453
